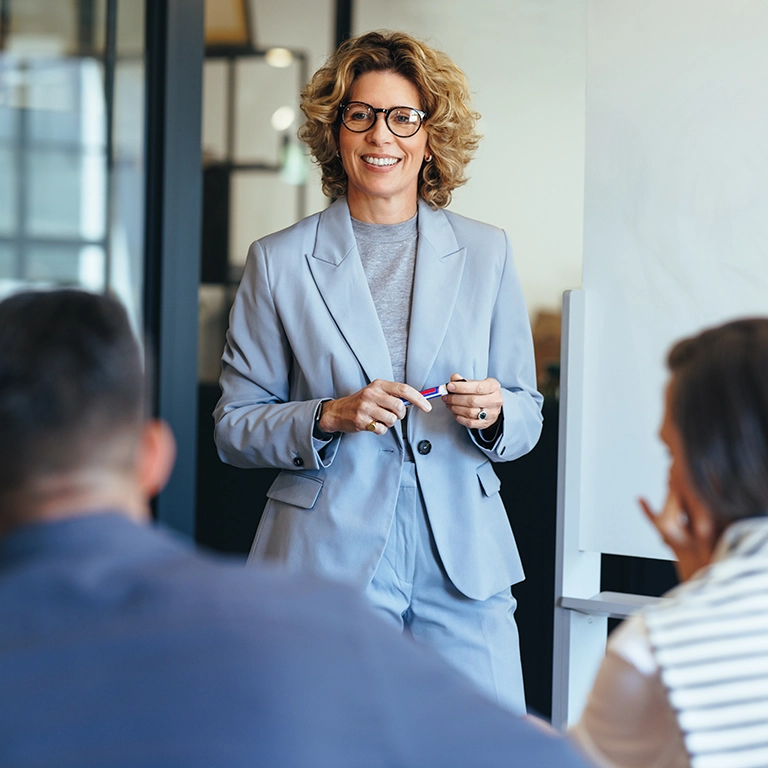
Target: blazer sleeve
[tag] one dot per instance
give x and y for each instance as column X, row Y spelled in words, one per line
column 511, row 361
column 257, row 424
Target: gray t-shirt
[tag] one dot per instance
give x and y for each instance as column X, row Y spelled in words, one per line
column 388, row 253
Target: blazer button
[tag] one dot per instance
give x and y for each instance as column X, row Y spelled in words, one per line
column 298, row 462
column 424, row 447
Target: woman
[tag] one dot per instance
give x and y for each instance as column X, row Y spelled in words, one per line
column 380, row 488
column 686, row 682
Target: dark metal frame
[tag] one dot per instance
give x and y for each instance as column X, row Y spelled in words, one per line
column 174, row 66
column 344, row 12
column 5, row 21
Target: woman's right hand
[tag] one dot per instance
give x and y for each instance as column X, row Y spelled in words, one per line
column 686, row 530
column 375, row 408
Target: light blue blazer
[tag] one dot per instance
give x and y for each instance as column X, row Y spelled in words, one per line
column 303, row 327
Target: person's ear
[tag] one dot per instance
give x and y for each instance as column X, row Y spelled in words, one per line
column 157, row 453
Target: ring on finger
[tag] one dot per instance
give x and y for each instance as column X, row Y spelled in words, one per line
column 482, row 415
column 372, row 426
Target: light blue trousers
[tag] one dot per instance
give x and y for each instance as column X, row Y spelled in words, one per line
column 411, row 589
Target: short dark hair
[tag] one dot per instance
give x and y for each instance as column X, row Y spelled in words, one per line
column 719, row 405
column 71, row 379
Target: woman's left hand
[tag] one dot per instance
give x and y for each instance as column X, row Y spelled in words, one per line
column 474, row 404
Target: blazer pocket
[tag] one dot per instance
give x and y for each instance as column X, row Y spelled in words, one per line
column 298, row 490
column 489, row 481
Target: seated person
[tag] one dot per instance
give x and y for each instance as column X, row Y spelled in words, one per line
column 121, row 646
column 685, row 682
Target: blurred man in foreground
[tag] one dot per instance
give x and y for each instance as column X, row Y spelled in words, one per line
column 121, row 646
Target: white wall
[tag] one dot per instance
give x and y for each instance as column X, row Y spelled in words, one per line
column 676, row 232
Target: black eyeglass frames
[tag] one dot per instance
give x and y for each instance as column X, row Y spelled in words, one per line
column 357, row 116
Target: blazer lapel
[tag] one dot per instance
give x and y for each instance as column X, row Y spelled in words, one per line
column 338, row 273
column 439, row 268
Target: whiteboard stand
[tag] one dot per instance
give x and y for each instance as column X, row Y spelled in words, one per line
column 579, row 640
column 581, row 610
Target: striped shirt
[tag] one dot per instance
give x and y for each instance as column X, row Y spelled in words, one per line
column 710, row 641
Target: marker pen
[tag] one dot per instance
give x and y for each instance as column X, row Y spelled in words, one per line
column 430, row 393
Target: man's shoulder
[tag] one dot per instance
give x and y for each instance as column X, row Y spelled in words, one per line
column 199, row 581
column 227, row 582
column 113, row 571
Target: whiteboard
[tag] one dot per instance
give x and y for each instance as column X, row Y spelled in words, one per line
column 675, row 227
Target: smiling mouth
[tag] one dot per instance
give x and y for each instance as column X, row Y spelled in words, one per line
column 380, row 161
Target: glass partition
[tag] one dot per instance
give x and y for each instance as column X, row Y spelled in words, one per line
column 72, row 146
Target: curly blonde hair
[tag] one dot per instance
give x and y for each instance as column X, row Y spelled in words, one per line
column 445, row 97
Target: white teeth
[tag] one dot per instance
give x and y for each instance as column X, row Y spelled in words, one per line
column 380, row 160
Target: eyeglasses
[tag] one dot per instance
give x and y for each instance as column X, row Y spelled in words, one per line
column 358, row 117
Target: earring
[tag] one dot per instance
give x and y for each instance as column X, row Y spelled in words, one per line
column 338, row 154
column 427, row 158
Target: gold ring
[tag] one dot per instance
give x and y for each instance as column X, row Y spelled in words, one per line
column 372, row 426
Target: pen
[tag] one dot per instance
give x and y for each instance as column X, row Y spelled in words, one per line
column 429, row 393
